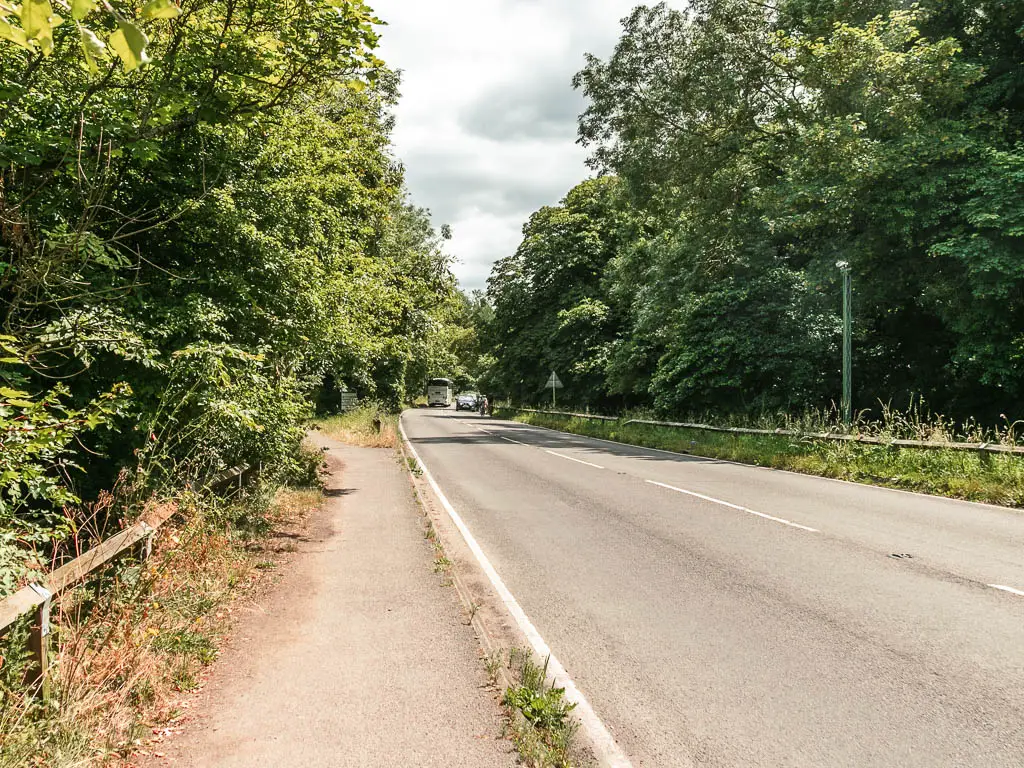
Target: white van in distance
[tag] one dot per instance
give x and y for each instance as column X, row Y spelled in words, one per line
column 440, row 392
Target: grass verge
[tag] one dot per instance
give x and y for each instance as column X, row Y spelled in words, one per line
column 130, row 642
column 968, row 475
column 366, row 426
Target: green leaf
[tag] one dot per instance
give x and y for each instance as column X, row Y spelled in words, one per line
column 82, row 8
column 35, row 18
column 160, row 9
column 129, row 43
column 38, row 21
column 8, row 392
column 15, row 35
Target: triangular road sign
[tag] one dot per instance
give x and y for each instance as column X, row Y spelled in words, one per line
column 554, row 381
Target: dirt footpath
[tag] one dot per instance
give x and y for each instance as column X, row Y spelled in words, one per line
column 360, row 657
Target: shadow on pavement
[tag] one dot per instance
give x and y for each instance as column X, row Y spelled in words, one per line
column 335, row 492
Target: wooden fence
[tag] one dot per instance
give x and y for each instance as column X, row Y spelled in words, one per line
column 37, row 597
column 865, row 439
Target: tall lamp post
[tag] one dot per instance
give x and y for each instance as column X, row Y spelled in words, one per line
column 847, row 404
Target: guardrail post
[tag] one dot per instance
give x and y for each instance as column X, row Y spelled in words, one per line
column 39, row 644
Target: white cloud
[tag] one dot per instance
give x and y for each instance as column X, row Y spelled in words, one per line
column 486, row 125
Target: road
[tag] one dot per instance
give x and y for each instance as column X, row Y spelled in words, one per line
column 724, row 615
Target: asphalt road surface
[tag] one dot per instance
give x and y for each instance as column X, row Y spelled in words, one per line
column 724, row 615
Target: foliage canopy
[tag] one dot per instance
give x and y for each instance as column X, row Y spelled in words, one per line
column 203, row 233
column 755, row 145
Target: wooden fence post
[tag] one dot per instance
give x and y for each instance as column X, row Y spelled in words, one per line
column 36, row 598
column 147, row 547
column 39, row 644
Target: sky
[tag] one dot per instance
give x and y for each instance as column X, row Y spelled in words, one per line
column 486, row 126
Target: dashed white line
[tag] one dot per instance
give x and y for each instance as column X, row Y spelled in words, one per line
column 790, row 523
column 713, row 500
column 570, row 458
column 488, row 432
column 1011, row 590
column 509, row 439
column 609, row 753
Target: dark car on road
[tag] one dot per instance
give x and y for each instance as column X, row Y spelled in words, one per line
column 467, row 402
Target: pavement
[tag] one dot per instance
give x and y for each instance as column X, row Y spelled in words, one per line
column 716, row 614
column 361, row 656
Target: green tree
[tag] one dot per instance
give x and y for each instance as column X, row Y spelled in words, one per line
column 218, row 228
column 759, row 145
column 550, row 307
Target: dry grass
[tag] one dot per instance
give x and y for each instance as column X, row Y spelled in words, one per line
column 129, row 643
column 293, row 506
column 358, row 428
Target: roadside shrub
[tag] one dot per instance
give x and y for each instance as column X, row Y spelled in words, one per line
column 223, row 408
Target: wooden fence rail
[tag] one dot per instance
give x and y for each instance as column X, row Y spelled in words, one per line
column 37, row 596
column 865, row 439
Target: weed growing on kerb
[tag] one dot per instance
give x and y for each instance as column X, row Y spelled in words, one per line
column 541, row 723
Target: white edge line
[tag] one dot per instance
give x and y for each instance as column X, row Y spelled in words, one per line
column 570, row 458
column 1011, row 590
column 697, row 456
column 735, row 506
column 609, row 752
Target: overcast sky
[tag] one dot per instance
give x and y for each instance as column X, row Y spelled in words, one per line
column 487, row 121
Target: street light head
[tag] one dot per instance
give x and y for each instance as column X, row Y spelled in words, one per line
column 843, row 265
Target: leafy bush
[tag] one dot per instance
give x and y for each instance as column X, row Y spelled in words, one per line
column 223, row 408
column 37, row 459
column 544, row 708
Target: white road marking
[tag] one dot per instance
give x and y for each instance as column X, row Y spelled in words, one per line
column 488, row 432
column 735, row 506
column 609, row 753
column 1011, row 590
column 570, row 458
